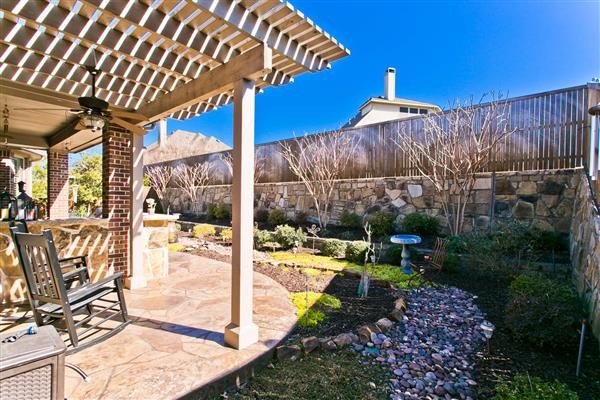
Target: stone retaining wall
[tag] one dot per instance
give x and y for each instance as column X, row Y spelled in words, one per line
column 73, row 237
column 585, row 252
column 542, row 198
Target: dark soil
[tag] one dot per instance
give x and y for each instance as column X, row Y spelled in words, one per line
column 509, row 356
column 354, row 312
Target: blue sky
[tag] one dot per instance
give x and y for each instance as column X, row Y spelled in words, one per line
column 440, row 49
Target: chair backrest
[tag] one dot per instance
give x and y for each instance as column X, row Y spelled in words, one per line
column 20, row 225
column 440, row 250
column 41, row 267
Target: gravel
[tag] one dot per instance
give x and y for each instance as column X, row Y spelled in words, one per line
column 431, row 354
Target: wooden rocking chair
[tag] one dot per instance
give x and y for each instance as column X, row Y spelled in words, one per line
column 434, row 262
column 74, row 268
column 52, row 302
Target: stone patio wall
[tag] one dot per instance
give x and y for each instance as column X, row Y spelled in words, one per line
column 585, row 252
column 73, row 238
column 542, row 198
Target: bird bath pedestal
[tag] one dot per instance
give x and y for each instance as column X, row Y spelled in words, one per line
column 405, row 240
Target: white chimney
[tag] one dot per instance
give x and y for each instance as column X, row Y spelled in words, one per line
column 390, row 84
column 162, row 132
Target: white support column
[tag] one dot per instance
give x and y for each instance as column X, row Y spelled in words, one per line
column 242, row 332
column 137, row 279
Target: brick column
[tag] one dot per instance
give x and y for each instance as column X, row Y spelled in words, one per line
column 58, row 184
column 116, row 194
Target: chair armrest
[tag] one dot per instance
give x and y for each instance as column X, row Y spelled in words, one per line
column 76, row 273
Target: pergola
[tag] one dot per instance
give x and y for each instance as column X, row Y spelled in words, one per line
column 157, row 59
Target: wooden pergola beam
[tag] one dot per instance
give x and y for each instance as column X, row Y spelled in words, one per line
column 252, row 65
column 50, row 97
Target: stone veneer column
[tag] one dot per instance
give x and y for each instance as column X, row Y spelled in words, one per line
column 6, row 175
column 116, row 194
column 58, row 184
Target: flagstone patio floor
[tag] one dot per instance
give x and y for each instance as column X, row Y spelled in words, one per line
column 174, row 346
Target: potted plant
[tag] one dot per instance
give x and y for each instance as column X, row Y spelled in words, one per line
column 151, row 206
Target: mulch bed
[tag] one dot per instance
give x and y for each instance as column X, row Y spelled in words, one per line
column 354, row 311
column 508, row 356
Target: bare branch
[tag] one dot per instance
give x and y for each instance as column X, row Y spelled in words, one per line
column 192, row 179
column 453, row 147
column 318, row 161
column 160, row 176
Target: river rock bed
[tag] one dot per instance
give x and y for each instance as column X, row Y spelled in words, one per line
column 431, row 353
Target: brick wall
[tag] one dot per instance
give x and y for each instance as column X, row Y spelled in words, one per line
column 116, row 193
column 58, row 184
column 6, row 175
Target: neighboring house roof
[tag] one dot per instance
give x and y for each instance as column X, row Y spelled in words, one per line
column 399, row 101
column 180, row 144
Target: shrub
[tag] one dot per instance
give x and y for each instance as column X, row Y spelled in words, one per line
column 218, row 212
column 289, row 237
column 203, row 230
column 382, row 224
column 355, row 251
column 261, row 215
column 421, row 224
column 276, row 217
column 451, row 263
column 548, row 241
column 333, row 248
column 301, row 218
column 261, row 238
column 543, row 311
column 349, row 235
column 226, row 234
column 176, row 247
column 393, row 255
column 350, row 220
column 525, row 388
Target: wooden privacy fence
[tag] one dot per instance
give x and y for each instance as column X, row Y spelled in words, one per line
column 552, row 132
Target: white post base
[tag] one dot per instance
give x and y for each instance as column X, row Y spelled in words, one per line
column 240, row 337
column 135, row 282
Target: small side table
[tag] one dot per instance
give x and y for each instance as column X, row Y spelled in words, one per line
column 33, row 367
column 405, row 240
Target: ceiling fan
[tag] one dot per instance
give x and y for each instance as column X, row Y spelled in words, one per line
column 94, row 112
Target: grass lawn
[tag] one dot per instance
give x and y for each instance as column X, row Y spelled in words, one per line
column 325, row 375
column 387, row 272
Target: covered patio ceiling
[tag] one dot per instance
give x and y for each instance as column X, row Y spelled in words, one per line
column 158, row 59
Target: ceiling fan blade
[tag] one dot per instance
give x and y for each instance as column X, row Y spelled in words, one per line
column 40, row 109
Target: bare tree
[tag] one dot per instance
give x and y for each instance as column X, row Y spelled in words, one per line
column 160, row 176
column 259, row 165
column 318, row 161
column 192, row 179
column 454, row 147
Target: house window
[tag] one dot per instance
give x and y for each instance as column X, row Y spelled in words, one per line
column 414, row 110
column 422, row 111
column 404, row 109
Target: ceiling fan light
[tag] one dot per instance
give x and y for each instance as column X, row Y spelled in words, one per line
column 93, row 122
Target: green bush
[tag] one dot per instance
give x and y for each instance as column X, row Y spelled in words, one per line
column 312, row 313
column 276, row 217
column 226, row 234
column 451, row 263
column 525, row 388
column 350, row 220
column 350, row 235
column 289, row 237
column 203, row 230
column 393, row 255
column 355, row 251
column 261, row 215
column 333, row 248
column 301, row 218
column 421, row 224
column 218, row 212
column 261, row 238
column 548, row 241
column 542, row 311
column 382, row 224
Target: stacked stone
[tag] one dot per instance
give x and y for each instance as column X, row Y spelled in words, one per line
column 430, row 354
